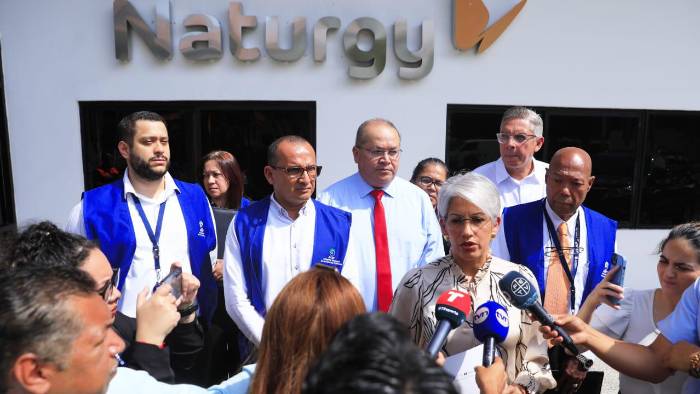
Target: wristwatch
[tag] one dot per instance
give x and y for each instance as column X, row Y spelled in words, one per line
column 188, row 310
column 695, row 365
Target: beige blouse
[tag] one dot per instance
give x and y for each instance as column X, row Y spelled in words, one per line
column 524, row 351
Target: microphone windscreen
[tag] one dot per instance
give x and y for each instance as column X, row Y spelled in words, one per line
column 519, row 291
column 491, row 320
column 453, row 306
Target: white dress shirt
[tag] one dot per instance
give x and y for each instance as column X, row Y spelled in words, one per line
column 513, row 191
column 499, row 248
column 173, row 240
column 287, row 250
column 413, row 231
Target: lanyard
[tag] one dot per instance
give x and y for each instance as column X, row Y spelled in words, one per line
column 570, row 273
column 154, row 237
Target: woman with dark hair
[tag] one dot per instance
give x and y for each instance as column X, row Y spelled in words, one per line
column 223, row 181
column 299, row 326
column 429, row 175
column 635, row 319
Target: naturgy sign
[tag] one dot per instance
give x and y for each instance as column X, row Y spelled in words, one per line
column 204, row 39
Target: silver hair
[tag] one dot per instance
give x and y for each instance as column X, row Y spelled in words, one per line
column 525, row 114
column 474, row 188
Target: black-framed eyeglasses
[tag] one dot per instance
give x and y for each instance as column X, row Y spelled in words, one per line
column 106, row 291
column 504, row 138
column 377, row 153
column 298, row 172
column 427, row 181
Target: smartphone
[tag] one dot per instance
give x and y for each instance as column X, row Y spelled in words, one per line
column 174, row 279
column 619, row 277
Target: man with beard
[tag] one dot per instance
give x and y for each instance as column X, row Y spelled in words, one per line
column 148, row 220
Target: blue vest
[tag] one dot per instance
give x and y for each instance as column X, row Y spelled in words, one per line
column 108, row 221
column 331, row 235
column 523, row 227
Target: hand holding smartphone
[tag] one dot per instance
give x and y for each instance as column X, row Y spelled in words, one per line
column 174, row 279
column 619, row 276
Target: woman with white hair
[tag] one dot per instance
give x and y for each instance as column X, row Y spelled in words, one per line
column 470, row 214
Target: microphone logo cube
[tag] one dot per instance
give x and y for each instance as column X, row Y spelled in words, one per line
column 520, row 287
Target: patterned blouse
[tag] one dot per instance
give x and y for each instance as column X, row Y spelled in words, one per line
column 524, row 351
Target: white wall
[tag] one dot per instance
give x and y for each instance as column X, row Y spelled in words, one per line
column 594, row 53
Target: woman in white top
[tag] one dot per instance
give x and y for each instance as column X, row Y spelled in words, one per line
column 470, row 210
column 634, row 320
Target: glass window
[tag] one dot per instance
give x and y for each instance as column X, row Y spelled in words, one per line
column 471, row 137
column 195, row 128
column 646, row 163
column 672, row 170
column 612, row 141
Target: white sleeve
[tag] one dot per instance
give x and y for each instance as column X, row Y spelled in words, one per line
column 499, row 247
column 614, row 322
column 434, row 248
column 351, row 269
column 76, row 224
column 238, row 305
column 131, row 381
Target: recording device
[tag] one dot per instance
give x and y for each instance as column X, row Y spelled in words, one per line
column 619, row 277
column 451, row 311
column 522, row 294
column 490, row 327
column 174, row 279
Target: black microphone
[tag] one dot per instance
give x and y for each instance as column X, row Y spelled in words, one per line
column 451, row 311
column 522, row 294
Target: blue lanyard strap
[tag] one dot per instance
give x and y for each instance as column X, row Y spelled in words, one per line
column 154, row 237
column 570, row 273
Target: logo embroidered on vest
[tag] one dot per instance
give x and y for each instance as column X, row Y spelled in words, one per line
column 605, row 270
column 201, row 229
column 331, row 259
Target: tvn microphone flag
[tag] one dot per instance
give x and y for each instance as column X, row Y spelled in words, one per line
column 490, row 327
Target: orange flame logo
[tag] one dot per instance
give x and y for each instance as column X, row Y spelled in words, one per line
column 470, row 20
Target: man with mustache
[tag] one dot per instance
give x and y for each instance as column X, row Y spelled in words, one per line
column 518, row 176
column 148, row 220
column 567, row 246
column 274, row 239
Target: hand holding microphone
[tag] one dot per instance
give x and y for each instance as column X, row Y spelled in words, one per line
column 490, row 327
column 522, row 294
column 451, row 310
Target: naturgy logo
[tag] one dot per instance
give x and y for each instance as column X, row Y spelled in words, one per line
column 470, row 18
column 204, row 38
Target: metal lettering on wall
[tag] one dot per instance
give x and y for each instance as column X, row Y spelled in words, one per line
column 204, row 38
column 422, row 61
column 272, row 40
column 371, row 63
column 159, row 42
column 202, row 45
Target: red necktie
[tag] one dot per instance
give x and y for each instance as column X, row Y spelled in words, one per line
column 381, row 251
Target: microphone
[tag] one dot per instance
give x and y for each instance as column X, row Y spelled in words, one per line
column 451, row 311
column 522, row 294
column 490, row 327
